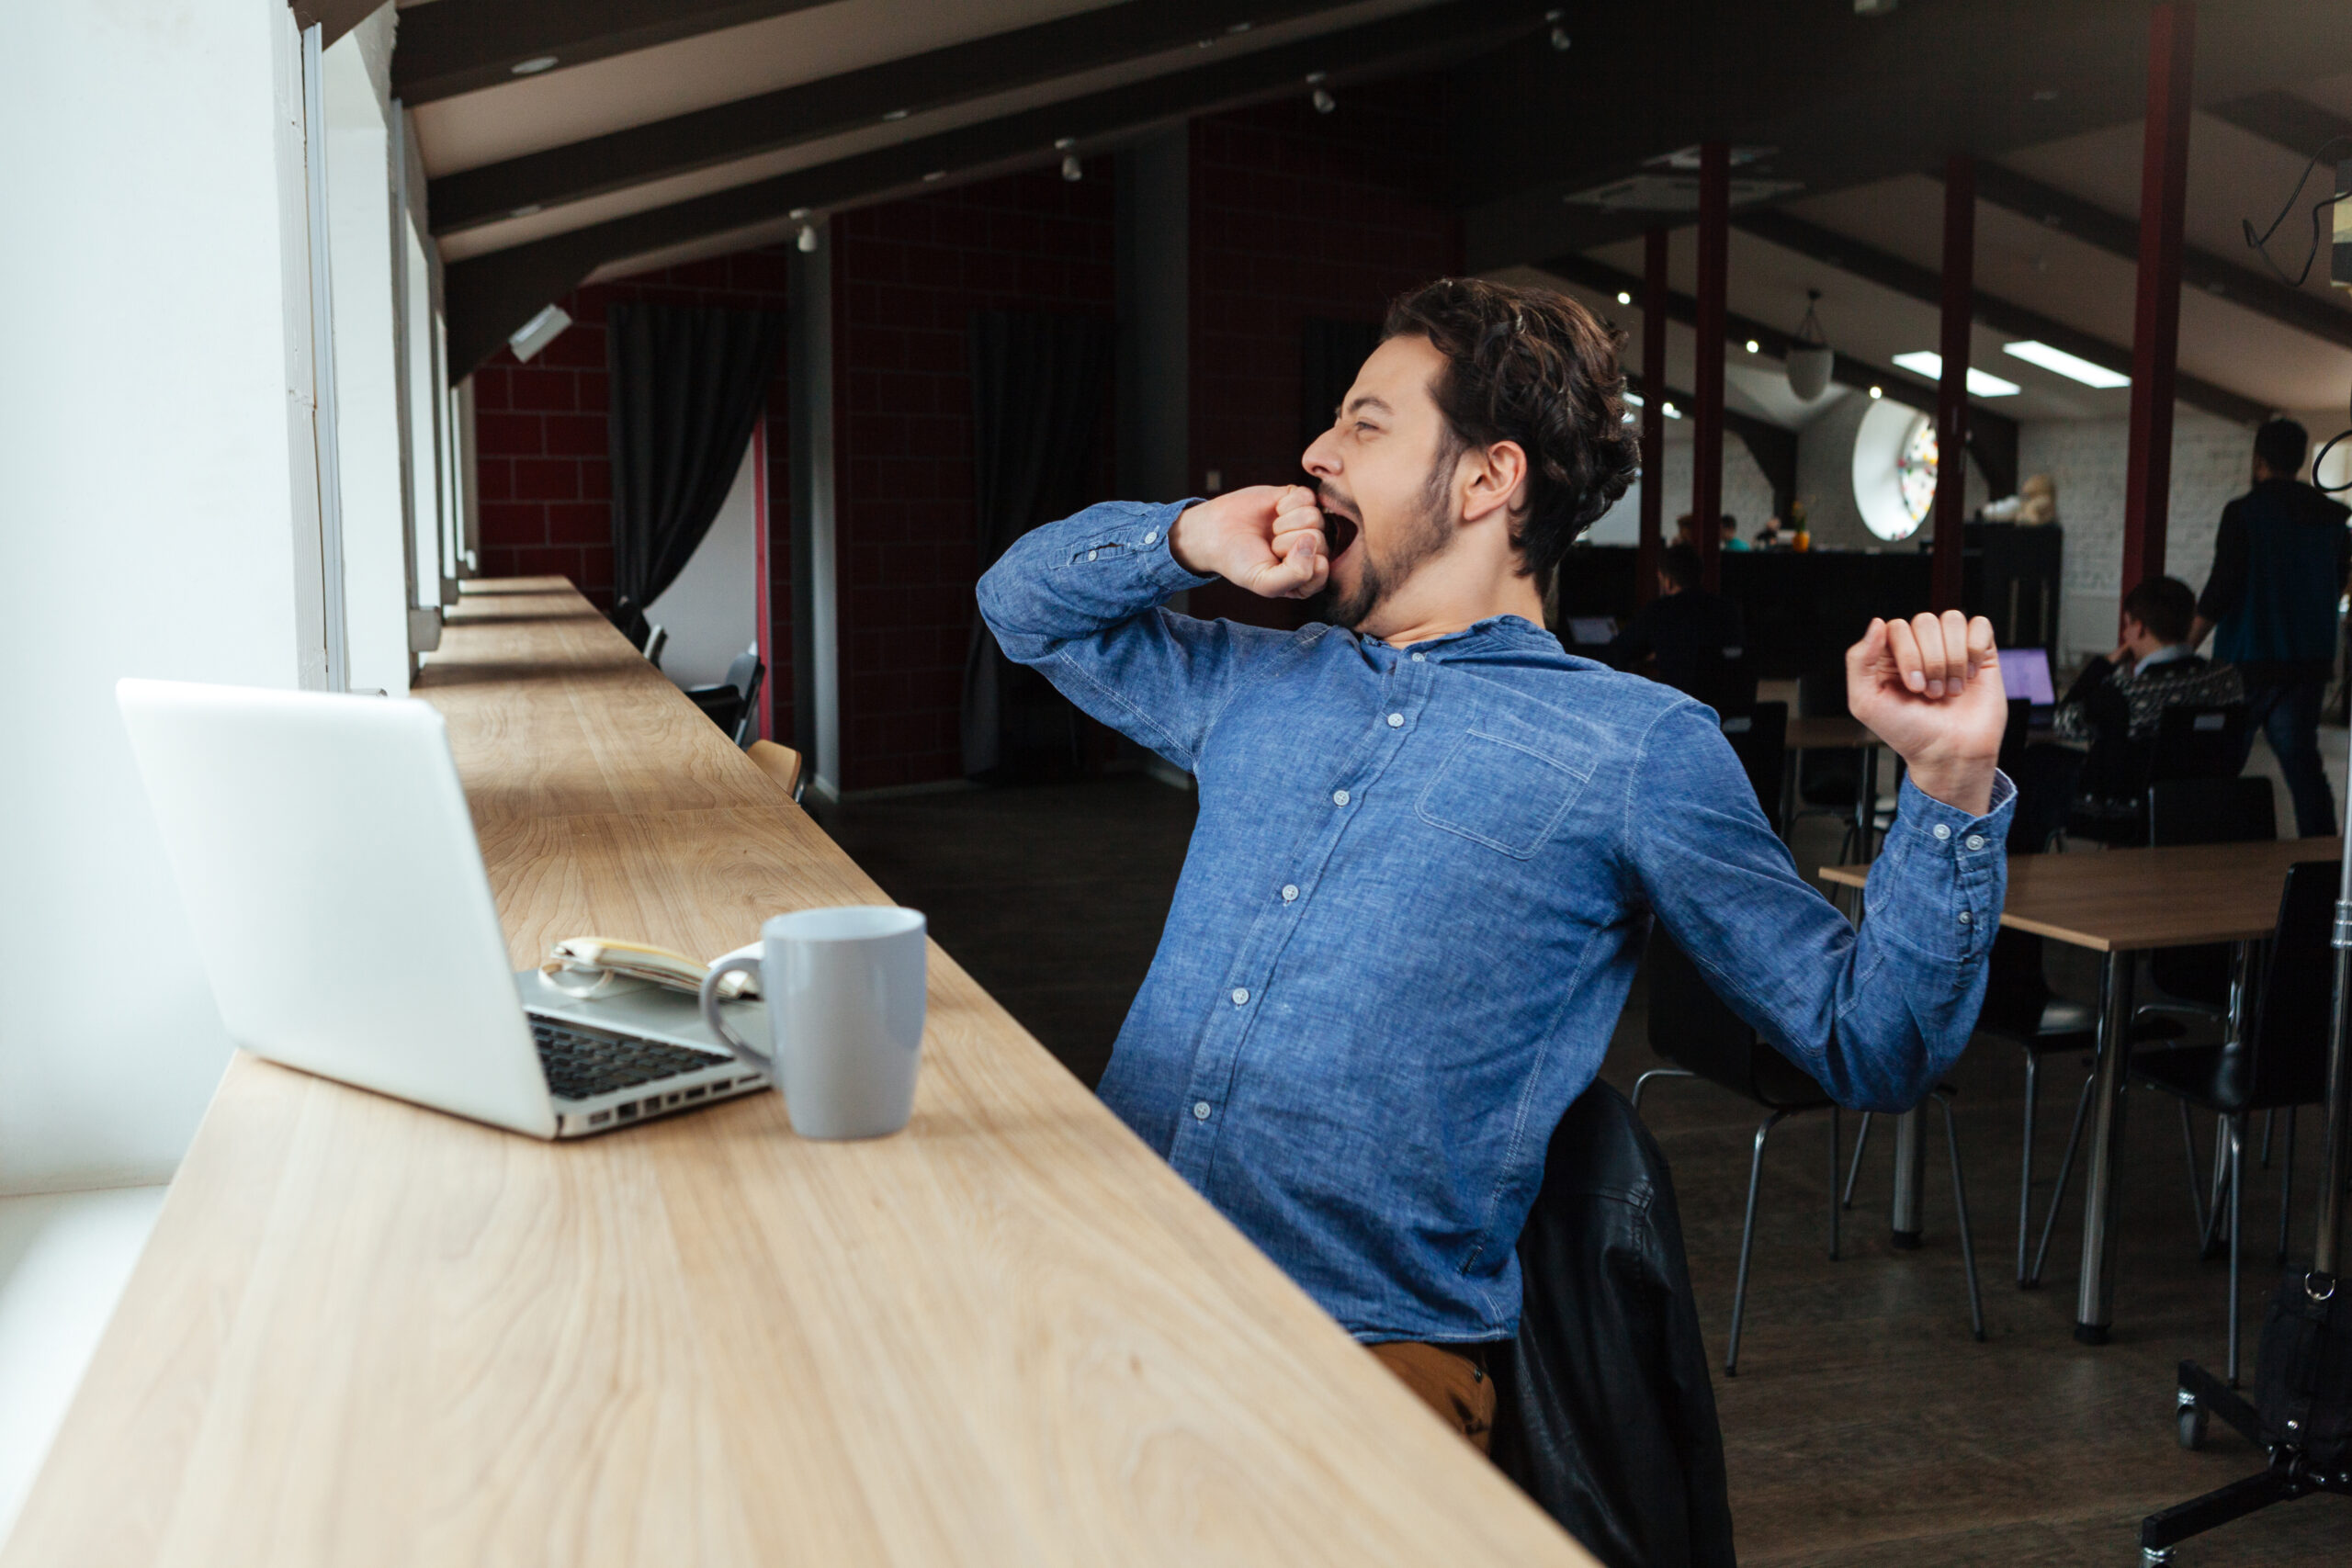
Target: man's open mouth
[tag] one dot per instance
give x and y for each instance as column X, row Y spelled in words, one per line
column 1339, row 532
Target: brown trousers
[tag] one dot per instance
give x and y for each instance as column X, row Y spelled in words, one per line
column 1450, row 1379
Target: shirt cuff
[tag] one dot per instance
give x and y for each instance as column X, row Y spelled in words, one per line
column 1946, row 873
column 1137, row 539
column 1941, row 823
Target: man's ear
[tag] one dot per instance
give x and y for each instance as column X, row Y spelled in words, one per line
column 1497, row 480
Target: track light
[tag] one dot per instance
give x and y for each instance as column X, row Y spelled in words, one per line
column 1071, row 168
column 807, row 239
column 1323, row 100
column 1560, row 39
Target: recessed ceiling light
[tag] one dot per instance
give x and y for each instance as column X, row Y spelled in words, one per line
column 1922, row 362
column 1752, row 348
column 1239, row 28
column 1623, row 298
column 1877, row 392
column 533, row 65
column 894, row 113
column 1669, row 410
column 2072, row 366
column 934, row 175
column 1632, row 400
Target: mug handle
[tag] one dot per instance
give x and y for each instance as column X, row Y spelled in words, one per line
column 745, row 1052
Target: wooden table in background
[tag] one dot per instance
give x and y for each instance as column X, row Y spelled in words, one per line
column 369, row 1332
column 1837, row 732
column 2122, row 903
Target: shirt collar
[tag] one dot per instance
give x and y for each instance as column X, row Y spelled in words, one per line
column 1494, row 631
column 2165, row 655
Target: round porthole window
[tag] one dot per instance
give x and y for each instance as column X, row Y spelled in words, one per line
column 1895, row 469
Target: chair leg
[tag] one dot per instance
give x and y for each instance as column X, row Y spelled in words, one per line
column 2268, row 1118
column 2285, row 1179
column 1861, row 1142
column 2025, row 1171
column 1748, row 1242
column 2196, row 1194
column 2237, row 1199
column 2215, row 1217
column 1960, row 1204
column 1836, row 1140
column 2066, row 1174
column 1643, row 1082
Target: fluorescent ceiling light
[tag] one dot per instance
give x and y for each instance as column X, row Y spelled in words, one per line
column 1932, row 365
column 2072, row 366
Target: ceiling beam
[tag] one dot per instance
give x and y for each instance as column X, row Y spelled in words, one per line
column 2285, row 120
column 812, row 110
column 489, row 295
column 2201, row 270
column 457, row 45
column 332, row 17
column 1893, row 272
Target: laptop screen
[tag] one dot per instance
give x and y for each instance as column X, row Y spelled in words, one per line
column 1586, row 631
column 2025, row 672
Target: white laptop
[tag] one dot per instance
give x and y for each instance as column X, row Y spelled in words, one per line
column 327, row 859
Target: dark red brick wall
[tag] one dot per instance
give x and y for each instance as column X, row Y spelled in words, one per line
column 546, row 472
column 907, row 277
column 1294, row 215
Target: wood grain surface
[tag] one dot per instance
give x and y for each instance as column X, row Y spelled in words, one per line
column 1828, row 732
column 2128, row 900
column 366, row 1333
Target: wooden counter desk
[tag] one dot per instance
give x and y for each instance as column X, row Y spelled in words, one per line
column 366, row 1333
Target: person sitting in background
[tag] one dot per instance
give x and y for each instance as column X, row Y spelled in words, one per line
column 1686, row 632
column 1769, row 537
column 2117, row 701
column 1686, row 530
column 1731, row 540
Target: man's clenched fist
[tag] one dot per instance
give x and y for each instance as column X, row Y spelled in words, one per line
column 1267, row 538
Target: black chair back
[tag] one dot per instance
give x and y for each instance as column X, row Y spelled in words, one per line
column 1691, row 1027
column 747, row 722
column 2014, row 736
column 2282, row 1057
column 2198, row 740
column 2206, row 811
column 1759, row 738
column 1827, row 778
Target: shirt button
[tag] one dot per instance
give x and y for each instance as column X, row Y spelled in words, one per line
column 1240, row 996
column 1200, row 1110
column 1338, row 798
column 1152, row 538
column 1963, row 917
column 1090, row 555
column 1941, row 832
column 1290, row 892
column 1421, row 659
column 1396, row 721
column 1975, row 840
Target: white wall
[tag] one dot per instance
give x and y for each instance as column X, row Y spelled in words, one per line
column 361, row 239
column 1747, row 495
column 148, row 516
column 712, row 609
column 2211, row 458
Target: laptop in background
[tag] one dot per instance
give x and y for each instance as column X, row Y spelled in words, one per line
column 337, row 898
column 2025, row 672
column 1592, row 631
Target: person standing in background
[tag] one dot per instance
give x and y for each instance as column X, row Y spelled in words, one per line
column 2279, row 564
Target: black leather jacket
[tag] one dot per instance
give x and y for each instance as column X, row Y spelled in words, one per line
column 1605, row 1413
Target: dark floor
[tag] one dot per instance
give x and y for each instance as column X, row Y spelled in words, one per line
column 1865, row 1427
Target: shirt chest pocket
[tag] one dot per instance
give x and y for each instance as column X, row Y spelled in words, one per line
column 1499, row 794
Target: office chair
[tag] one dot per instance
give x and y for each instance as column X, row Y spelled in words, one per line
column 657, row 638
column 2198, row 740
column 732, row 704
column 1690, row 1026
column 781, row 763
column 2278, row 1060
column 1829, row 783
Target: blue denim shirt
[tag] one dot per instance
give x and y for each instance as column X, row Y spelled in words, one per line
column 1415, row 899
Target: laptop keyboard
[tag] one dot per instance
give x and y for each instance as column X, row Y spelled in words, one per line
column 580, row 1065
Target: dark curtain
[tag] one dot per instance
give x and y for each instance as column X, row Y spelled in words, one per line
column 1329, row 354
column 1041, row 386
column 688, row 384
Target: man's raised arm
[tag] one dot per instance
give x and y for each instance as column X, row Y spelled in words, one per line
column 1080, row 602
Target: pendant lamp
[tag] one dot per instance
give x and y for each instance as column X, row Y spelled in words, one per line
column 1810, row 358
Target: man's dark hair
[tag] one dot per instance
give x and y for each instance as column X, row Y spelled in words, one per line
column 1730, row 525
column 1534, row 366
column 2280, row 443
column 1680, row 564
column 2165, row 605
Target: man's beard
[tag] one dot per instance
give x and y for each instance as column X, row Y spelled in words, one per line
column 1426, row 534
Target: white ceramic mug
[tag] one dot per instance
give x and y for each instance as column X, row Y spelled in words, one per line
column 844, row 990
